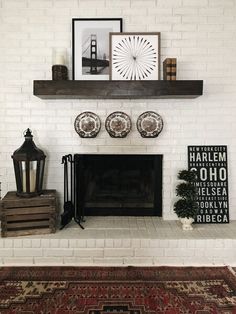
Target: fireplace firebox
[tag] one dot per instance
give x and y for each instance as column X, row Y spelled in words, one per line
column 117, row 185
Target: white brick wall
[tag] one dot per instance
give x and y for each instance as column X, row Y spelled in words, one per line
column 200, row 33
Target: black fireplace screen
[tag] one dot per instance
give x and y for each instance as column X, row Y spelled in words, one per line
column 119, row 185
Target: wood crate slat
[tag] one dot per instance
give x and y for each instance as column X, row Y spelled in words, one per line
column 28, row 210
column 27, row 217
column 11, row 200
column 27, row 224
column 21, row 216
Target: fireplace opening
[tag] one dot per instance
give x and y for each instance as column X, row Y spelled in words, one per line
column 118, row 185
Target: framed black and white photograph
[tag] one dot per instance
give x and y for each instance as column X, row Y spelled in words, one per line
column 90, row 47
column 135, row 56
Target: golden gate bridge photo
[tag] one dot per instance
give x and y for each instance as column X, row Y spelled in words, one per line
column 94, row 58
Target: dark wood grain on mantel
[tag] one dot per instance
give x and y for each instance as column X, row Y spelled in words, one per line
column 118, row 89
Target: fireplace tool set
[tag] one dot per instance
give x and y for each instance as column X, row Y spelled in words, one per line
column 70, row 211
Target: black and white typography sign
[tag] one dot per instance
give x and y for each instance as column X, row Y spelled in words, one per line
column 210, row 163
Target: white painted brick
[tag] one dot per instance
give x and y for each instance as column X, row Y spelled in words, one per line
column 118, row 243
column 191, row 244
column 197, row 261
column 77, row 261
column 108, row 261
column 8, row 243
column 219, row 261
column 65, row 3
column 149, row 252
column 6, row 252
column 26, row 243
column 36, row 243
column 185, row 28
column 164, row 243
column 109, row 243
column 138, row 261
column 185, row 11
column 228, row 243
column 173, row 243
column 28, row 252
column 91, row 243
column 19, row 261
column 126, row 243
column 73, row 243
column 202, row 3
column 136, row 243
column 154, row 243
column 170, row 3
column 18, row 243
column 145, row 21
column 179, row 252
column 88, row 252
column 219, row 252
column 41, row 4
column 14, row 4
column 46, row 261
column 118, row 252
column 45, row 243
column 64, row 243
column 145, row 243
column 114, row 3
column 100, row 243
column 168, row 261
column 57, row 252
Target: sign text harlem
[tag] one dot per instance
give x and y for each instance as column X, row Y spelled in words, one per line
column 210, row 163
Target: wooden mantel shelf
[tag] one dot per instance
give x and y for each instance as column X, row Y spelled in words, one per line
column 118, row 89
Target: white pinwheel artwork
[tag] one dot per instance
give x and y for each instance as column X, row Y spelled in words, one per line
column 135, row 56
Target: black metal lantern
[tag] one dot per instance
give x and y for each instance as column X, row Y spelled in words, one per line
column 29, row 164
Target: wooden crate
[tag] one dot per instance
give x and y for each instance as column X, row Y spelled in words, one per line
column 28, row 216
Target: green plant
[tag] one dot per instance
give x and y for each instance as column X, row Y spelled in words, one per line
column 186, row 206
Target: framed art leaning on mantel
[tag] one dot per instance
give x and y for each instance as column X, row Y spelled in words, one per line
column 135, row 56
column 90, row 47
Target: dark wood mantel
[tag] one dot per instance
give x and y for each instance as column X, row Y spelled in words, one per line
column 117, row 89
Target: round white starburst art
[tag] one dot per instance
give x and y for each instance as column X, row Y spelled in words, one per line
column 135, row 57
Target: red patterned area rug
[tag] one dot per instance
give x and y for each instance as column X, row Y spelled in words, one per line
column 123, row 290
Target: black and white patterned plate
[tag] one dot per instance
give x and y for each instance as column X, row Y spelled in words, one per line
column 118, row 124
column 149, row 124
column 87, row 124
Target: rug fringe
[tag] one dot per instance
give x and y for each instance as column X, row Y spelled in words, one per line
column 231, row 269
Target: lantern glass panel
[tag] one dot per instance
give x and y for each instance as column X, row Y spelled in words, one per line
column 31, row 175
column 20, row 172
column 41, row 171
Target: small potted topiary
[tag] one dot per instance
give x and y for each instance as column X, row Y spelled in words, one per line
column 186, row 207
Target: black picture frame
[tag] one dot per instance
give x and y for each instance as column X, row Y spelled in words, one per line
column 210, row 164
column 135, row 56
column 89, row 61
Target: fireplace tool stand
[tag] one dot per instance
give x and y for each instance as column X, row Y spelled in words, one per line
column 69, row 198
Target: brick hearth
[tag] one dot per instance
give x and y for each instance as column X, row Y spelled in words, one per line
column 125, row 241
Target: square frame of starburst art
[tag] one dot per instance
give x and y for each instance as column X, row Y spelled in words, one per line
column 135, row 56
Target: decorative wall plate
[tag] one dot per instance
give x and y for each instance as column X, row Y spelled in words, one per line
column 149, row 124
column 135, row 56
column 118, row 124
column 87, row 124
